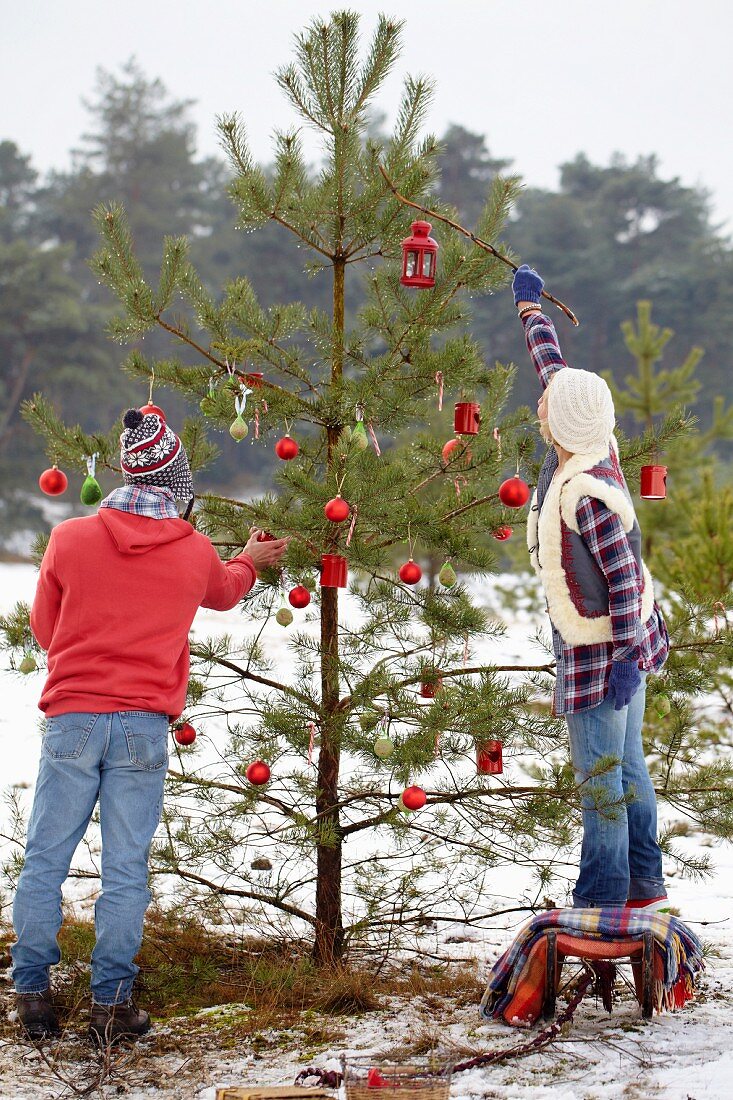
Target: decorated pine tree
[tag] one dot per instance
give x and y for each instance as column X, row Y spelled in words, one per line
column 377, row 806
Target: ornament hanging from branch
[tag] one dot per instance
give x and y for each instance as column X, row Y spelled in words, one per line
column 337, row 509
column 413, row 798
column 489, row 758
column 334, row 571
column 258, row 773
column 431, row 684
column 91, row 491
column 28, row 664
column 53, row 482
column 419, row 256
column 467, row 418
column 503, row 533
column 238, row 430
column 383, row 745
column 286, row 448
column 514, row 492
column 185, row 734
column 653, row 482
column 299, row 596
column 150, row 407
column 447, row 575
column 472, row 237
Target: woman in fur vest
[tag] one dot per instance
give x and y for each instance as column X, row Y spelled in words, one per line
column 608, row 633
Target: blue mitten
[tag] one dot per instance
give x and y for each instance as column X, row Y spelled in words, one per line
column 527, row 285
column 623, row 683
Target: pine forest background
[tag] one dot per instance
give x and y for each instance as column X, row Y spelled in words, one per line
column 608, row 237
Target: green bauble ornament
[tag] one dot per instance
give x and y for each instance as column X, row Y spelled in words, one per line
column 401, row 806
column 663, row 705
column 359, row 436
column 91, row 491
column 238, row 430
column 447, row 575
column 383, row 747
column 284, row 616
column 28, row 664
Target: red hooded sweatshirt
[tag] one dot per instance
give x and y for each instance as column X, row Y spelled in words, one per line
column 116, row 596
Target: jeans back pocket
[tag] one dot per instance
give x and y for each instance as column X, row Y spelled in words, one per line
column 66, row 734
column 147, row 738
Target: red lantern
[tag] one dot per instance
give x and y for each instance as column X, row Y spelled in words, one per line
column 502, row 533
column 265, row 536
column 299, row 596
column 488, row 758
column 653, row 482
column 419, row 254
column 453, row 445
column 334, row 571
column 514, row 492
column 410, row 572
column 413, row 798
column 185, row 734
column 258, row 773
column 286, row 448
column 467, row 418
column 430, row 688
column 254, row 379
column 53, row 482
column 337, row 509
column 146, row 410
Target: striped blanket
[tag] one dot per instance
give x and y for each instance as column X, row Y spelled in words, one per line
column 517, row 980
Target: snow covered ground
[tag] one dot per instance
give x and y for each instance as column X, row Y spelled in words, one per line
column 686, row 1056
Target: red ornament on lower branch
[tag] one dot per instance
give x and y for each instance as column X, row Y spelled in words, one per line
column 337, row 509
column 413, row 798
column 185, row 734
column 299, row 596
column 488, row 758
column 53, row 482
column 286, row 448
column 454, row 445
column 514, row 492
column 258, row 773
column 410, row 572
column 502, row 533
column 653, row 482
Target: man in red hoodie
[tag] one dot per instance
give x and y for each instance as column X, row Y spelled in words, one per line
column 116, row 595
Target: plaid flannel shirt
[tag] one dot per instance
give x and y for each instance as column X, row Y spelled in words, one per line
column 583, row 670
column 153, row 501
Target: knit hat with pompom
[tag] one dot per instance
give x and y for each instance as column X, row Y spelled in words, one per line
column 580, row 411
column 152, row 454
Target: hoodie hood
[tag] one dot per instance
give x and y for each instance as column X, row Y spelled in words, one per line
column 134, row 534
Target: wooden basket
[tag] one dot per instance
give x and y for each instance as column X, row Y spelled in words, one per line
column 375, row 1079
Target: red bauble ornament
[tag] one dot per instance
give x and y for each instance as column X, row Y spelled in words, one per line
column 53, row 482
column 337, row 509
column 147, row 409
column 456, row 445
column 502, row 533
column 514, row 492
column 258, row 773
column 185, row 734
column 653, row 482
column 488, row 758
column 414, row 798
column 286, row 448
column 299, row 596
column 419, row 254
column 254, row 379
column 265, row 536
column 410, row 572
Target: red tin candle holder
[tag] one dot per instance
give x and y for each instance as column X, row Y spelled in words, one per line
column 467, row 418
column 334, row 571
column 488, row 758
column 430, row 688
column 419, row 254
column 653, row 482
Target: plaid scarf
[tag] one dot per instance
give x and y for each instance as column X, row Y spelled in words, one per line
column 678, row 954
column 153, row 501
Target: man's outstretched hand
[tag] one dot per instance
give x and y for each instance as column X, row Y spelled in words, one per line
column 527, row 285
column 267, row 553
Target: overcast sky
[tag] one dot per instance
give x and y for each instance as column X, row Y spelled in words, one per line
column 543, row 81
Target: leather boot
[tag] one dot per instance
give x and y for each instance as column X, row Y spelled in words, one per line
column 36, row 1014
column 122, row 1021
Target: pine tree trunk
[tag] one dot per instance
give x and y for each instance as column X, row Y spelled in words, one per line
column 329, row 941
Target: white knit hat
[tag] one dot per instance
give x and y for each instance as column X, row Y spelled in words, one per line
column 580, row 411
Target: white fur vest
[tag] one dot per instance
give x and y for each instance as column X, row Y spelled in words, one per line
column 575, row 589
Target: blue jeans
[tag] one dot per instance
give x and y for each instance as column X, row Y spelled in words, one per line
column 120, row 760
column 620, row 857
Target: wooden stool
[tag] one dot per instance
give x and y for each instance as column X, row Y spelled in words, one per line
column 639, row 952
